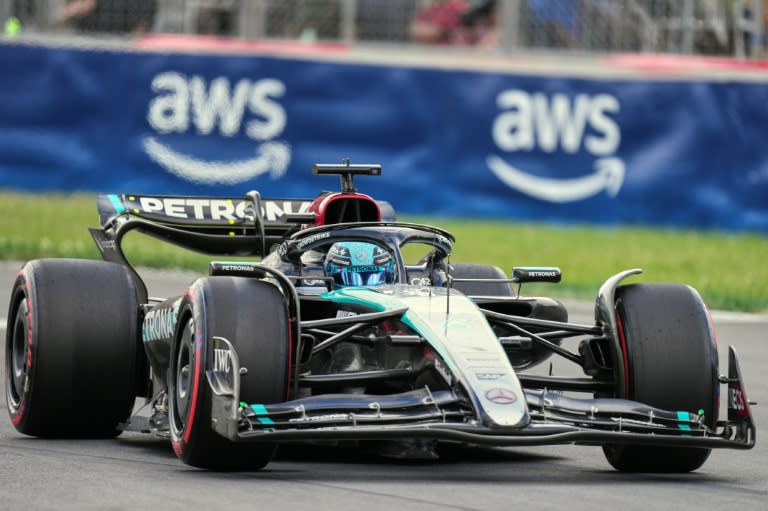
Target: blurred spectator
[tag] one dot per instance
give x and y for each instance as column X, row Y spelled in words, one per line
column 31, row 14
column 316, row 19
column 481, row 22
column 109, row 16
column 24, row 10
column 762, row 42
column 216, row 20
column 439, row 22
column 384, row 20
column 751, row 22
column 553, row 23
column 608, row 25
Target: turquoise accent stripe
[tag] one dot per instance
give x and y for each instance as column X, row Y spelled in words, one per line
column 262, row 410
column 684, row 416
column 115, row 200
column 358, row 296
column 378, row 301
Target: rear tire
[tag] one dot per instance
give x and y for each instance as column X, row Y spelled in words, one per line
column 253, row 316
column 70, row 348
column 480, row 271
column 672, row 363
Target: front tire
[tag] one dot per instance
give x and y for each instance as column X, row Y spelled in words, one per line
column 671, row 363
column 253, row 316
column 70, row 350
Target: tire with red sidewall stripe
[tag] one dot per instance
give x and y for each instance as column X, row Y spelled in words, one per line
column 253, row 316
column 670, row 361
column 70, row 351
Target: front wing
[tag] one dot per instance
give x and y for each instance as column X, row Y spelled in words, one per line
column 445, row 415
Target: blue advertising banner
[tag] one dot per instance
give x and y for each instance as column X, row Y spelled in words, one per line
column 451, row 142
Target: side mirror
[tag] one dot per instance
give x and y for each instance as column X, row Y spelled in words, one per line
column 522, row 274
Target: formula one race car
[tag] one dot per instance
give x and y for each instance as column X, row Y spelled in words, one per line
column 354, row 327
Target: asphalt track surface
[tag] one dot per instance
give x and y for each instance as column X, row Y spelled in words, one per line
column 136, row 471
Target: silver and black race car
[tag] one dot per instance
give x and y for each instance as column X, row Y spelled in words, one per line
column 354, row 327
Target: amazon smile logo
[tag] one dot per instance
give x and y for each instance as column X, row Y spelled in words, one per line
column 182, row 104
column 530, row 122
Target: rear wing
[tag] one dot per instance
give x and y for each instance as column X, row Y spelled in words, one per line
column 247, row 226
column 212, row 225
column 202, row 212
column 229, row 226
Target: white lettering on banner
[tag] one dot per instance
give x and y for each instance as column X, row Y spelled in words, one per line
column 603, row 104
column 181, row 101
column 271, row 111
column 536, row 121
column 170, row 112
column 217, row 104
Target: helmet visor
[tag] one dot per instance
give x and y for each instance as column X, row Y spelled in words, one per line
column 367, row 277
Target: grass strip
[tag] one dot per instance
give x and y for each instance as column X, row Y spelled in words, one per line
column 729, row 270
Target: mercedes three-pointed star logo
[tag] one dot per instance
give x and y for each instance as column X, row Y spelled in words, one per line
column 501, row 396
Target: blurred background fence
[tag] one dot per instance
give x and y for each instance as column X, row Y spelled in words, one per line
column 557, row 110
column 696, row 27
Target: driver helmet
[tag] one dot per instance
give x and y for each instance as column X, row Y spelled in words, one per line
column 356, row 263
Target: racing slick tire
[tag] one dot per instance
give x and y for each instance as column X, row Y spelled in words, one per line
column 671, row 362
column 480, row 271
column 253, row 316
column 70, row 349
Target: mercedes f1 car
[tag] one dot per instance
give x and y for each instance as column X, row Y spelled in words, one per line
column 354, row 327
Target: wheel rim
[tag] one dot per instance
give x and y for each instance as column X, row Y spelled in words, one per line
column 17, row 356
column 183, row 376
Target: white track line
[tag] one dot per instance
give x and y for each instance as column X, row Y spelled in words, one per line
column 739, row 317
